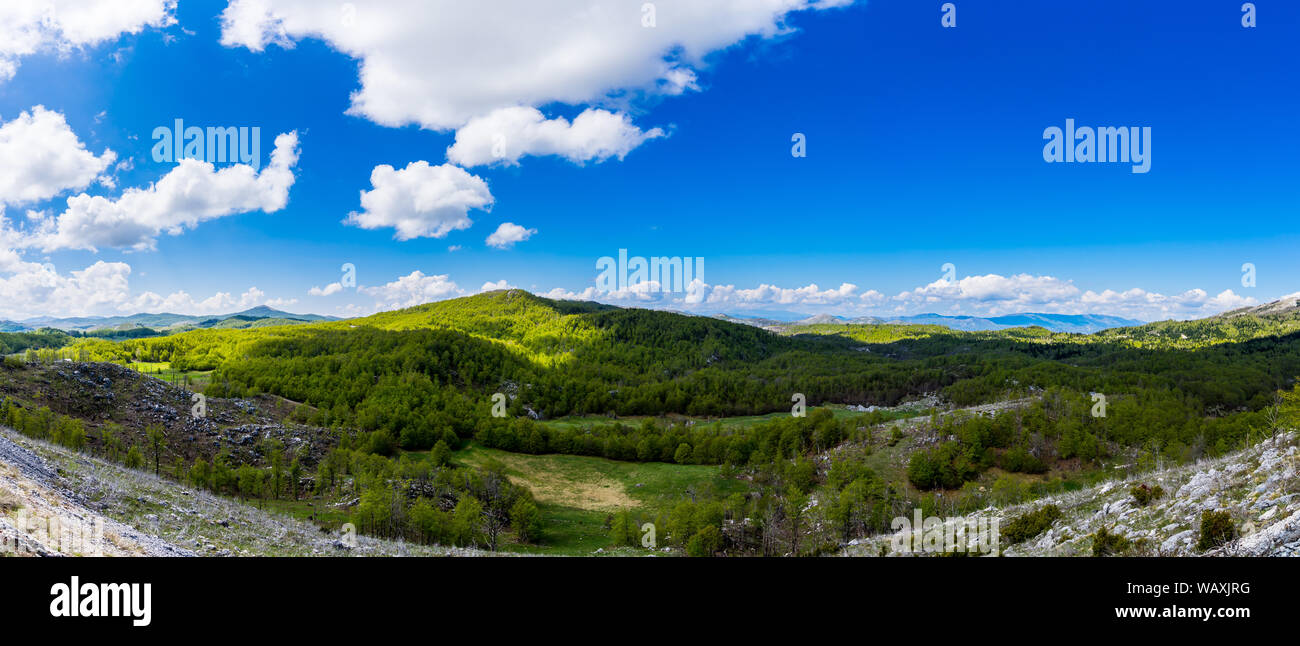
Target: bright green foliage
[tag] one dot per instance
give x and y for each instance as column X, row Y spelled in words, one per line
column 1030, row 524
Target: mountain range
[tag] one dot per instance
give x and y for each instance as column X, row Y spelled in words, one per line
column 1079, row 323
column 161, row 321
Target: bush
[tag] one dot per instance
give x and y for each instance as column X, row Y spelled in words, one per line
column 1144, row 495
column 1105, row 543
column 946, row 466
column 134, row 458
column 1031, row 524
column 1217, row 528
column 706, row 542
column 526, row 520
column 1019, row 460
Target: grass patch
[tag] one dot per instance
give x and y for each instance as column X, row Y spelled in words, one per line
column 601, row 485
column 195, row 380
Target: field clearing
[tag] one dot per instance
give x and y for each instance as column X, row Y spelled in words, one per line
column 598, row 484
column 576, row 494
column 195, row 380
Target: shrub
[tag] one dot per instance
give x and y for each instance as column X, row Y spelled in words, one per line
column 946, row 466
column 1019, row 460
column 1031, row 524
column 134, row 458
column 1144, row 495
column 1216, row 529
column 706, row 542
column 1105, row 543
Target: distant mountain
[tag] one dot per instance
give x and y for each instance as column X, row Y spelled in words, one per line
column 745, row 320
column 264, row 312
column 821, row 319
column 161, row 321
column 1289, row 304
column 1080, row 323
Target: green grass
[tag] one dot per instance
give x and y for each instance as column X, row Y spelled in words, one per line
column 198, row 379
column 576, row 494
column 313, row 511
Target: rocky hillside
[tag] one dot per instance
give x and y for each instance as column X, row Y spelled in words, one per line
column 1259, row 488
column 51, row 498
column 103, row 393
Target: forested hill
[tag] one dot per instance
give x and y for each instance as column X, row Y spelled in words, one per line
column 550, row 330
column 416, row 373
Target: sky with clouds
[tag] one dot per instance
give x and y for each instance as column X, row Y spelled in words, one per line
column 417, row 150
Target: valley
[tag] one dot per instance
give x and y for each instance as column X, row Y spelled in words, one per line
column 632, row 432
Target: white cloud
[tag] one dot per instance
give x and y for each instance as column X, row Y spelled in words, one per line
column 987, row 295
column 421, row 201
column 31, row 289
column 412, row 289
column 500, row 284
column 332, row 288
column 41, row 157
column 189, row 194
column 1139, row 303
column 561, row 294
column 508, row 234
column 38, row 290
column 441, row 64
column 505, row 135
column 31, row 26
column 772, row 295
column 182, row 303
column 992, row 293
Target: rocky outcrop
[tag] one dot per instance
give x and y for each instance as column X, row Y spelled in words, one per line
column 1258, row 487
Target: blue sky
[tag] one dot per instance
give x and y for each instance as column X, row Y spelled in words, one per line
column 924, row 147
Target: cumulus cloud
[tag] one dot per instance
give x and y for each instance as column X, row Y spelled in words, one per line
column 40, row 157
column 182, row 303
column 332, row 288
column 1139, row 303
column 31, row 26
column 413, row 289
column 29, row 289
column 442, row 66
column 992, row 293
column 189, row 194
column 508, row 234
column 523, row 53
column 505, row 135
column 772, row 295
column 420, row 201
column 986, row 295
column 491, row 286
column 39, row 289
